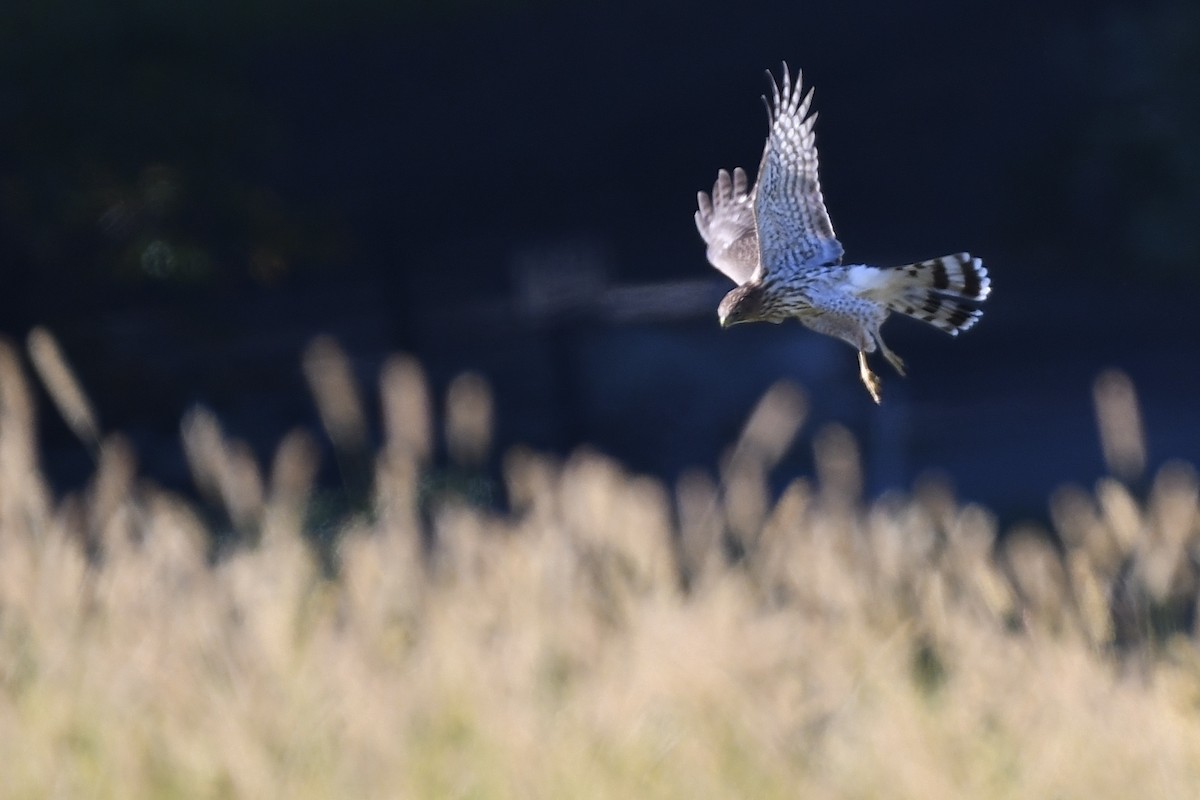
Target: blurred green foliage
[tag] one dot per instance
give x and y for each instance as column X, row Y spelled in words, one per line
column 143, row 149
column 1130, row 159
column 138, row 137
column 1144, row 137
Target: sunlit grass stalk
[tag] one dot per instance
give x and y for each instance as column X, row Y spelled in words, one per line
column 603, row 637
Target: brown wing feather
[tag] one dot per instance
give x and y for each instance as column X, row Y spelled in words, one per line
column 792, row 223
column 726, row 223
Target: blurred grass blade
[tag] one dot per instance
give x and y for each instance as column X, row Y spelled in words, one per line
column 63, row 387
column 774, row 423
column 469, row 419
column 407, row 414
column 1120, row 422
column 331, row 380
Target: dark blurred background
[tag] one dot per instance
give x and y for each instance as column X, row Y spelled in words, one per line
column 189, row 194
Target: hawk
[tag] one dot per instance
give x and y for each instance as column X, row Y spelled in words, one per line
column 776, row 242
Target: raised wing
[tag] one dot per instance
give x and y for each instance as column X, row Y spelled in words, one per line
column 793, row 225
column 726, row 222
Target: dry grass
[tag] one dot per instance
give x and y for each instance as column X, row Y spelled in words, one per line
column 596, row 641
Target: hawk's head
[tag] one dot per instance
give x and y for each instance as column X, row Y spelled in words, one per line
column 743, row 304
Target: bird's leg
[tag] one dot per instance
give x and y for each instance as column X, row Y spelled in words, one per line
column 869, row 379
column 892, row 358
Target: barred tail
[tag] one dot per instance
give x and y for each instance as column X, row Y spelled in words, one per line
column 942, row 291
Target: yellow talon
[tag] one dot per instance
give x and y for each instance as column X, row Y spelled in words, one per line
column 869, row 379
column 892, row 358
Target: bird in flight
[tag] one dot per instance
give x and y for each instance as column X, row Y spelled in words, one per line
column 776, row 242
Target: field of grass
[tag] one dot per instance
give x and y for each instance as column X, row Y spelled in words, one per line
column 609, row 636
